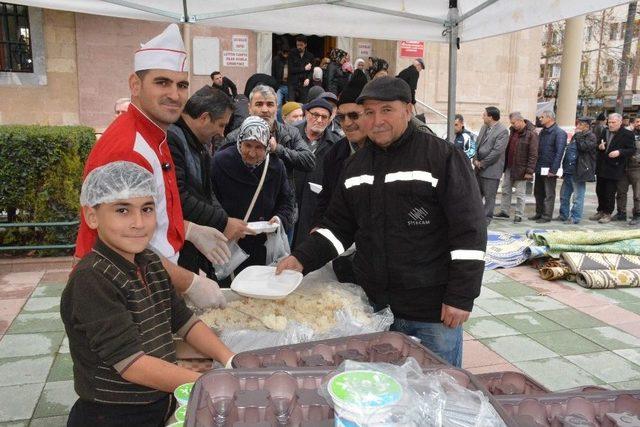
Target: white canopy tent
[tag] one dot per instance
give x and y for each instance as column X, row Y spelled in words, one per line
column 446, row 21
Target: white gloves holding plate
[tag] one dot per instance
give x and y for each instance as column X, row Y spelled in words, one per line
column 205, row 293
column 210, row 242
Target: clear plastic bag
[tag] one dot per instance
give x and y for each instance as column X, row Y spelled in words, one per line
column 238, row 256
column 382, row 394
column 277, row 245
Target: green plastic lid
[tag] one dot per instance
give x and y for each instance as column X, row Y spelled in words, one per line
column 181, row 413
column 364, row 389
column 183, row 392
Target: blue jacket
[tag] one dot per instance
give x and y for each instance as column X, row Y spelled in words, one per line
column 551, row 144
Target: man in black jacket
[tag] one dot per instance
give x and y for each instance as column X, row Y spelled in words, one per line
column 614, row 148
column 396, row 198
column 300, row 70
column 411, row 74
column 204, row 117
column 218, row 81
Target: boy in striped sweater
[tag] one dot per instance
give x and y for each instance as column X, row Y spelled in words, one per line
column 120, row 310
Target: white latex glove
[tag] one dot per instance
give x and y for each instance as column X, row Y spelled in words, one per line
column 229, row 364
column 210, row 242
column 205, row 293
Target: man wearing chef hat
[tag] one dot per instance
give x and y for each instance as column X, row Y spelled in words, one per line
column 159, row 89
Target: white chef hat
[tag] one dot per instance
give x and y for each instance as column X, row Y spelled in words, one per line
column 163, row 52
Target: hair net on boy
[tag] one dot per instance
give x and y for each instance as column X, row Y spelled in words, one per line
column 117, row 181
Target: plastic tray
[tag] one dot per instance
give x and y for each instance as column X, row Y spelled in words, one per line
column 259, row 281
column 263, row 227
column 603, row 409
column 250, row 397
column 390, row 347
column 511, row 383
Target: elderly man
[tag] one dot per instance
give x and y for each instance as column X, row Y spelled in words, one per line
column 292, row 113
column 579, row 167
column 551, row 145
column 411, row 74
column 204, row 117
column 394, row 199
column 631, row 178
column 315, row 130
column 520, row 164
column 489, row 160
column 159, row 89
column 237, row 172
column 614, row 148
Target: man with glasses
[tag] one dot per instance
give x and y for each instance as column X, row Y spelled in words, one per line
column 315, row 131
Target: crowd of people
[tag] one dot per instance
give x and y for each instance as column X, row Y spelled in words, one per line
column 335, row 160
column 604, row 151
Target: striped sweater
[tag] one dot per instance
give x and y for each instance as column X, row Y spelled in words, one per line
column 115, row 311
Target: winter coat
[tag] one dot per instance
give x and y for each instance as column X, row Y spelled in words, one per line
column 396, row 205
column 306, row 198
column 624, row 142
column 234, row 184
column 336, row 78
column 634, row 161
column 551, row 144
column 467, row 142
column 333, row 164
column 297, row 73
column 411, row 76
column 491, row 150
column 526, row 155
column 277, row 70
column 580, row 157
column 199, row 204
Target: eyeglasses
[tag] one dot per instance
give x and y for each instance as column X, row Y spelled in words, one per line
column 317, row 116
column 352, row 115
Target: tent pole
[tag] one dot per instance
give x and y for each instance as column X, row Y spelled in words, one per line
column 452, row 28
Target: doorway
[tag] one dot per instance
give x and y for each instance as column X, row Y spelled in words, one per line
column 319, row 46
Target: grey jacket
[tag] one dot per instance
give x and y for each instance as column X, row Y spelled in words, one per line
column 491, row 150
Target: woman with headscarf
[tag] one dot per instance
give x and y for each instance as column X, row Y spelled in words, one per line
column 378, row 68
column 236, row 173
column 336, row 77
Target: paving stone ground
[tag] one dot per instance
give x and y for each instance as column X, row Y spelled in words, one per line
column 560, row 334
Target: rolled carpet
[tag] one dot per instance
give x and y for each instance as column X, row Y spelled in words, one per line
column 605, row 279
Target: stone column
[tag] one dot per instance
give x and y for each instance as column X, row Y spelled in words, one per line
column 570, row 75
column 264, row 52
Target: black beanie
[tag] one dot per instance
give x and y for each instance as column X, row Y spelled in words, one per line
column 353, row 88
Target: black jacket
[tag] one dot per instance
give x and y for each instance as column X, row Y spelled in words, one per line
column 235, row 184
column 199, row 204
column 336, row 78
column 291, row 149
column 297, row 73
column 584, row 164
column 415, row 213
column 411, row 76
column 332, row 168
column 277, row 69
column 227, row 87
column 305, row 196
column 624, row 142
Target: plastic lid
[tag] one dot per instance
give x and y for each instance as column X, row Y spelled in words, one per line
column 181, row 413
column 364, row 389
column 183, row 392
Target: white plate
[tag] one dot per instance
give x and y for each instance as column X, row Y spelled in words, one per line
column 259, row 281
column 263, row 226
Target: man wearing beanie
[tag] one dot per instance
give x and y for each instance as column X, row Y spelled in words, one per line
column 292, row 113
column 315, row 130
column 395, row 198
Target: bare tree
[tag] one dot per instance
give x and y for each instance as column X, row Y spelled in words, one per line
column 624, row 63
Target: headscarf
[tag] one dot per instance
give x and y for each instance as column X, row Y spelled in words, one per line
column 337, row 55
column 378, row 64
column 254, row 128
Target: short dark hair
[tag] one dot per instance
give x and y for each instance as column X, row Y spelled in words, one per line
column 215, row 73
column 208, row 100
column 493, row 112
column 141, row 74
column 301, row 38
column 459, row 118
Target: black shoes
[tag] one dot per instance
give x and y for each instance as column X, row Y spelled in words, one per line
column 535, row 217
column 502, row 214
column 542, row 220
column 517, row 219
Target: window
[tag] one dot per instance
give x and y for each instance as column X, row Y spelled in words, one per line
column 589, row 33
column 555, row 71
column 623, row 26
column 610, row 65
column 15, row 39
column 613, row 31
column 584, row 68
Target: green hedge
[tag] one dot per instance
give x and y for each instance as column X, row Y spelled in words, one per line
column 40, row 179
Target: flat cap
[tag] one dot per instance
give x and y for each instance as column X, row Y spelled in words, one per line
column 386, row 89
column 585, row 119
